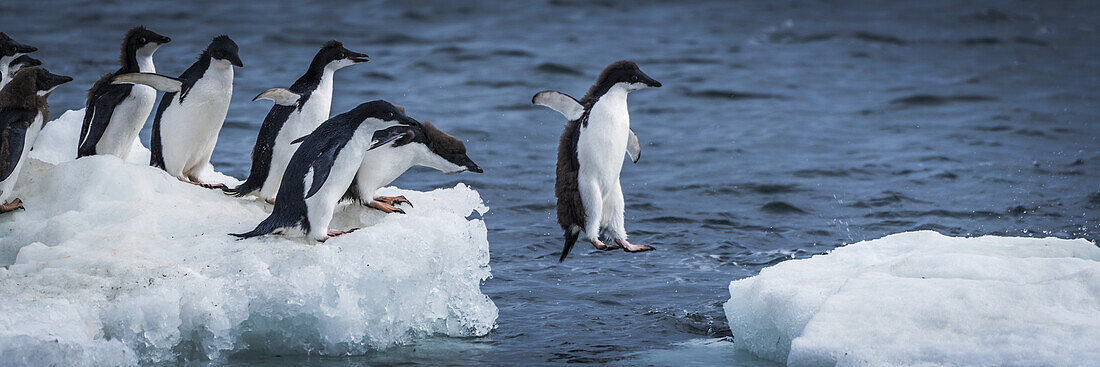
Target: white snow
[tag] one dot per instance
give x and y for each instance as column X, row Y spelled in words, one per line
column 116, row 263
column 922, row 298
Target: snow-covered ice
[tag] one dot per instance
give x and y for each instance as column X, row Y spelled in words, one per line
column 922, row 298
column 116, row 263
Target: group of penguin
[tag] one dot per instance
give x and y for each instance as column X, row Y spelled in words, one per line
column 305, row 162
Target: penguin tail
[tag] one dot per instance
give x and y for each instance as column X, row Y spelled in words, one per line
column 265, row 227
column 570, row 240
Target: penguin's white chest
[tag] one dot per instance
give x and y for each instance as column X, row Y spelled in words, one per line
column 126, row 122
column 602, row 143
column 381, row 166
column 300, row 123
column 189, row 128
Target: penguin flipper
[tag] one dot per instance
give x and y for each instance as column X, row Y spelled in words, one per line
column 281, row 96
column 387, row 140
column 13, row 131
column 159, row 82
column 633, row 147
column 97, row 116
column 561, row 102
column 321, row 168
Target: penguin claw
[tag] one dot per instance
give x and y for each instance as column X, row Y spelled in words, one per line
column 393, row 200
column 384, row 207
column 628, row 247
column 603, row 246
column 11, row 206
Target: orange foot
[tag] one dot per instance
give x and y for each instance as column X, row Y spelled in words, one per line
column 385, row 207
column 628, row 247
column 602, row 246
column 393, row 200
column 13, row 205
column 201, row 184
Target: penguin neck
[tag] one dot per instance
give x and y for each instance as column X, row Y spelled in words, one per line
column 5, row 62
column 145, row 63
column 613, row 105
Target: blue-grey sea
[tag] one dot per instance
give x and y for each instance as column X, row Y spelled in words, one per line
column 783, row 130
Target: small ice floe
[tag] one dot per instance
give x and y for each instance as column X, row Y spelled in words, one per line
column 922, row 298
column 118, row 263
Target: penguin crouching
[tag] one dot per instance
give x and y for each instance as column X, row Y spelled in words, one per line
column 192, row 111
column 297, row 111
column 323, row 167
column 404, row 147
column 23, row 112
column 590, row 156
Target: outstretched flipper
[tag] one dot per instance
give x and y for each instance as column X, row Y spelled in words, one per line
column 561, row 102
column 633, row 147
column 387, row 140
column 159, row 82
column 280, row 96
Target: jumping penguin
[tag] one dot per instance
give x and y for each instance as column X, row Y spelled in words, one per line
column 297, row 111
column 192, row 111
column 324, row 166
column 20, row 62
column 590, row 152
column 23, row 112
column 115, row 114
column 10, row 50
column 423, row 145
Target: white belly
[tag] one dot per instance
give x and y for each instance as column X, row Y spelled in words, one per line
column 28, row 142
column 602, row 144
column 189, row 130
column 321, row 205
column 380, row 167
column 126, row 122
column 298, row 124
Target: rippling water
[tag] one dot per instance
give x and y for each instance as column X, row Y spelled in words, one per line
column 784, row 129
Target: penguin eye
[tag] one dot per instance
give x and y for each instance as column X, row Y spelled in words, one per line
column 341, row 55
column 633, row 78
column 141, row 40
column 389, row 115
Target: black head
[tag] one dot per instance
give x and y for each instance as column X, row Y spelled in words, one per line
column 626, row 72
column 23, row 61
column 139, row 37
column 223, row 48
column 8, row 46
column 46, row 81
column 383, row 111
column 334, row 51
column 448, row 148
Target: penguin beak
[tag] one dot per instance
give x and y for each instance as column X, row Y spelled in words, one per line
column 406, row 120
column 56, row 80
column 473, row 167
column 358, row 57
column 236, row 60
column 648, row 80
column 165, row 39
column 22, row 48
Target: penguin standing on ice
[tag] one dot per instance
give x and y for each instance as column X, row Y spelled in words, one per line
column 23, row 112
column 20, row 62
column 10, row 50
column 192, row 111
column 324, row 166
column 423, row 145
column 590, row 156
column 297, row 111
column 114, row 114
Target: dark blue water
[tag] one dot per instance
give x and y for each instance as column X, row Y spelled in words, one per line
column 784, row 129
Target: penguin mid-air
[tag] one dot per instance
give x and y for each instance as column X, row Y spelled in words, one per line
column 297, row 111
column 10, row 50
column 20, row 62
column 23, row 112
column 192, row 111
column 423, row 145
column 324, row 166
column 590, row 156
column 114, row 114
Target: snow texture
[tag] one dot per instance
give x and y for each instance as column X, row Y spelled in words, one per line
column 116, row 263
column 922, row 298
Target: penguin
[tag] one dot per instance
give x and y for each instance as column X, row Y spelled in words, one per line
column 297, row 111
column 114, row 114
column 191, row 113
column 20, row 62
column 589, row 196
column 423, row 145
column 324, row 166
column 23, row 112
column 10, row 50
